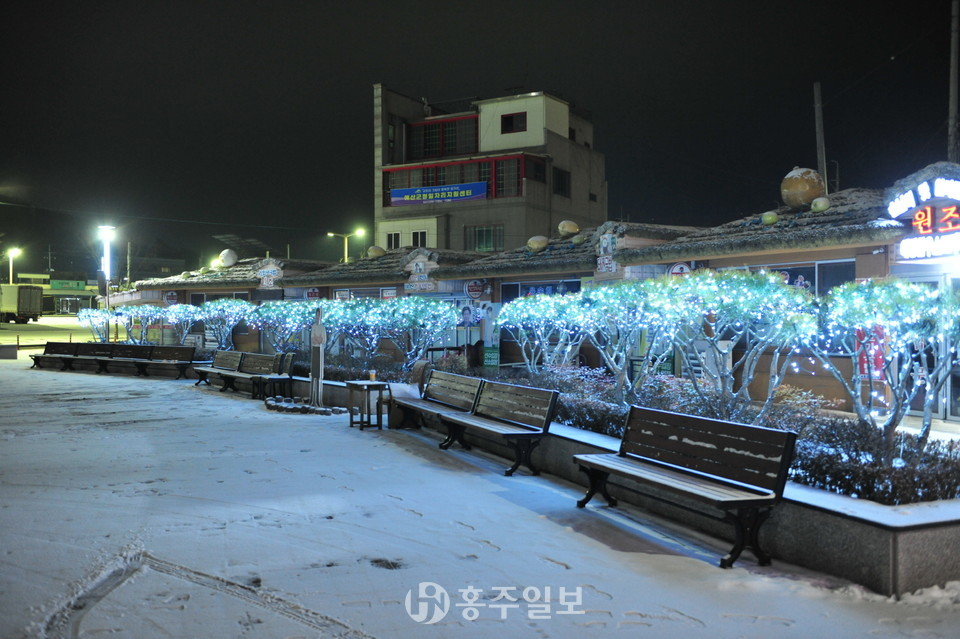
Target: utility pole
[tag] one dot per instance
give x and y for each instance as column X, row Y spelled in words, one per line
column 952, row 148
column 821, row 148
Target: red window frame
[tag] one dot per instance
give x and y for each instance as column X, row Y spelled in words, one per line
column 434, row 167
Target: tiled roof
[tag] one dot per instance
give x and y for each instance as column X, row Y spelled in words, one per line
column 241, row 274
column 386, row 269
column 562, row 255
column 855, row 217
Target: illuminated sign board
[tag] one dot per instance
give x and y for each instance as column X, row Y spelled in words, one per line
column 438, row 194
column 930, row 201
column 936, row 233
column 936, row 188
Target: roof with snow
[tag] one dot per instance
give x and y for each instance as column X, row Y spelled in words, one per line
column 243, row 273
column 855, row 217
column 385, row 269
column 562, row 254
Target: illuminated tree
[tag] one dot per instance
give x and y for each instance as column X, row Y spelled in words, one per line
column 361, row 323
column 415, row 323
column 137, row 321
column 624, row 321
column 181, row 317
column 283, row 323
column 545, row 327
column 897, row 338
column 221, row 316
column 730, row 326
column 98, row 321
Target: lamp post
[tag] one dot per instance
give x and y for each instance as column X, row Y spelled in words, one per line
column 12, row 253
column 106, row 233
column 346, row 242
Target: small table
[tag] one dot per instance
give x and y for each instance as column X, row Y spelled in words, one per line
column 365, row 416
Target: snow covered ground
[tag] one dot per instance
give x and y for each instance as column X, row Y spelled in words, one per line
column 146, row 508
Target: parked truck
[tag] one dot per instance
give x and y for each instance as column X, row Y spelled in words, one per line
column 20, row 303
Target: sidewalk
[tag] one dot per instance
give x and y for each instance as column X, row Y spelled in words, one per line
column 134, row 507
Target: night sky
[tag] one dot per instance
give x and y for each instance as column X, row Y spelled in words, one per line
column 178, row 121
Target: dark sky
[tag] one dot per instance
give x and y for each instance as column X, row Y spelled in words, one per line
column 181, row 120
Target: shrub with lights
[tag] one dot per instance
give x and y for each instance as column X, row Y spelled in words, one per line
column 283, row 323
column 221, row 316
column 415, row 323
column 98, row 321
column 545, row 327
column 137, row 320
column 181, row 317
column 730, row 326
column 622, row 321
column 898, row 339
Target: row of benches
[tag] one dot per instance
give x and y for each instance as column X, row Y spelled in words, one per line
column 692, row 462
column 264, row 373
column 115, row 357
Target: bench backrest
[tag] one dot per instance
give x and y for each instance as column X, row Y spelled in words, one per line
column 257, row 363
column 458, row 391
column 749, row 455
column 522, row 405
column 131, row 351
column 60, row 348
column 227, row 360
column 95, row 349
column 283, row 363
column 172, row 353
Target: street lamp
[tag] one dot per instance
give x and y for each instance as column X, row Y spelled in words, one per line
column 346, row 241
column 106, row 234
column 12, row 253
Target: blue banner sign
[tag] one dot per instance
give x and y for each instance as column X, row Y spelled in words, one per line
column 445, row 193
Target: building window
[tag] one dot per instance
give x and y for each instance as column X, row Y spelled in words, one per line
column 561, row 182
column 393, row 241
column 419, row 238
column 592, row 197
column 513, row 122
column 483, row 238
column 508, row 177
column 504, row 175
column 536, row 169
column 457, row 136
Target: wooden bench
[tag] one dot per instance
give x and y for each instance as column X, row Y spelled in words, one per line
column 54, row 352
column 262, row 371
column 442, row 393
column 223, row 362
column 88, row 352
column 737, row 469
column 127, row 354
column 179, row 358
column 255, row 368
column 519, row 414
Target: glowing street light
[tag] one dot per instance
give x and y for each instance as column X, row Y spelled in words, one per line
column 346, row 241
column 12, row 253
column 106, row 234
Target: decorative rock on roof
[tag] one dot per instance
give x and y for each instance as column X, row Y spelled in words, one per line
column 561, row 255
column 388, row 268
column 855, row 217
column 241, row 274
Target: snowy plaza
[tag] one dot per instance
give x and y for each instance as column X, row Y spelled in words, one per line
column 134, row 507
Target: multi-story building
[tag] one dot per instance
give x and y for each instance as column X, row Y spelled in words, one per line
column 482, row 175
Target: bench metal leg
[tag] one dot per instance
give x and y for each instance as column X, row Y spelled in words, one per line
column 227, row 384
column 746, row 523
column 598, row 483
column 201, row 377
column 454, row 434
column 523, row 448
